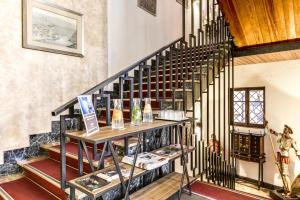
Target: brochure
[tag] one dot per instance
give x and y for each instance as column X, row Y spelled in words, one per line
column 146, row 160
column 89, row 114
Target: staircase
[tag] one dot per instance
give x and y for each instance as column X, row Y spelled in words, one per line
column 177, row 76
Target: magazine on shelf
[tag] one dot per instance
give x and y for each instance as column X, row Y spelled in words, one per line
column 146, row 160
column 112, row 174
column 169, row 151
column 92, row 182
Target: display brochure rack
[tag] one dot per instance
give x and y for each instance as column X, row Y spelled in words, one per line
column 173, row 182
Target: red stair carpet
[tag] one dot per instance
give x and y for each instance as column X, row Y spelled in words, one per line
column 24, row 189
column 220, row 193
column 52, row 169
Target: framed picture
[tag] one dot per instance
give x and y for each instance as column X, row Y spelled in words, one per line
column 148, row 5
column 47, row 27
column 186, row 3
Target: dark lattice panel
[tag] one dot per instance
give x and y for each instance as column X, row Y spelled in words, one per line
column 256, row 107
column 239, row 107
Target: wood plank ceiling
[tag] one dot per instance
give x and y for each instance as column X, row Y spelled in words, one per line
column 268, row 57
column 258, row 22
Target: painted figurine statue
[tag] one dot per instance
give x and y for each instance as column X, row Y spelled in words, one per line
column 286, row 142
column 215, row 147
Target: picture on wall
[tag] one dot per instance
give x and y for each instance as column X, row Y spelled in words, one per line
column 148, row 5
column 47, row 27
column 186, row 3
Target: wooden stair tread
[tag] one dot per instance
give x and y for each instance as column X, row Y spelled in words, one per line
column 24, row 188
column 71, row 151
column 161, row 90
column 153, row 99
column 51, row 168
column 179, row 74
column 174, row 81
column 161, row 189
column 52, row 176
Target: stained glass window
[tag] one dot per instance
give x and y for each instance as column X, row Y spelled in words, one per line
column 248, row 107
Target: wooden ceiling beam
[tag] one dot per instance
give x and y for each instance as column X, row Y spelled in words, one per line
column 267, row 48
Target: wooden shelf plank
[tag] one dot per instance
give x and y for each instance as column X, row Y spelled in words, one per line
column 137, row 172
column 106, row 133
column 98, row 192
column 161, row 189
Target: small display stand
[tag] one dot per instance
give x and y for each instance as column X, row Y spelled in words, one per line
column 106, row 136
column 250, row 147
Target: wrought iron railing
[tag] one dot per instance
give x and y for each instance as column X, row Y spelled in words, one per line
column 206, row 59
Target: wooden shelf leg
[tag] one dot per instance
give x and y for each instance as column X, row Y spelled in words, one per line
column 72, row 193
column 83, row 145
column 184, row 167
column 80, row 160
column 101, row 159
column 117, row 165
column 133, row 166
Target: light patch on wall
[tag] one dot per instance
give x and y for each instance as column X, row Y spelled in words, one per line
column 277, row 179
column 297, row 167
column 1, row 158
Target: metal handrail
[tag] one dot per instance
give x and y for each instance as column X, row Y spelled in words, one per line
column 101, row 85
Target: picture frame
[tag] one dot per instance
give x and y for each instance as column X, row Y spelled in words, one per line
column 186, row 3
column 149, row 6
column 51, row 28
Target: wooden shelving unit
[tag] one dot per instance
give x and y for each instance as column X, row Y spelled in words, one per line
column 106, row 135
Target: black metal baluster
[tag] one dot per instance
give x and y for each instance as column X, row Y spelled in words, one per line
column 157, row 76
column 164, row 77
column 63, row 170
column 224, row 89
column 171, row 68
column 229, row 98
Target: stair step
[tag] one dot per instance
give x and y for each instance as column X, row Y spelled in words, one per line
column 168, row 93
column 168, row 84
column 189, row 69
column 25, row 189
column 188, row 59
column 46, row 172
column 71, row 155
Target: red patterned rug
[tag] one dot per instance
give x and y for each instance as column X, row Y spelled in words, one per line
column 214, row 192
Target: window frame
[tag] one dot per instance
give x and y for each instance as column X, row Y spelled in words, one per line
column 247, row 107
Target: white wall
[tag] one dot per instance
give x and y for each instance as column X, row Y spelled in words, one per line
column 33, row 83
column 134, row 33
column 282, row 84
